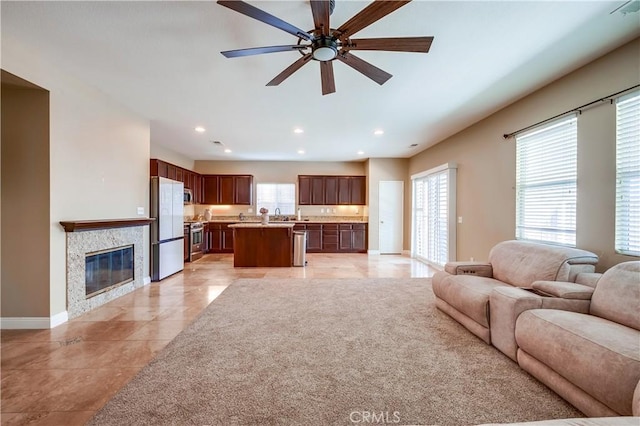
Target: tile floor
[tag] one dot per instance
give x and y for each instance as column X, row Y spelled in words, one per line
column 64, row 375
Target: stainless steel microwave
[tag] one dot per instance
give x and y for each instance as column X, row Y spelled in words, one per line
column 188, row 196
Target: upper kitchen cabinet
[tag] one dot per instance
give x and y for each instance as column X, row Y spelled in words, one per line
column 227, row 189
column 331, row 190
column 191, row 180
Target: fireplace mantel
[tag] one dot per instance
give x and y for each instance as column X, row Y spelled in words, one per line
column 92, row 225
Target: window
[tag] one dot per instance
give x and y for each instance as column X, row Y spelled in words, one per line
column 434, row 215
column 628, row 174
column 274, row 196
column 546, row 170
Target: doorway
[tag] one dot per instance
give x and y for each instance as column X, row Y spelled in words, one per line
column 391, row 208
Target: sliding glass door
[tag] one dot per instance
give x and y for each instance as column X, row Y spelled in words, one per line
column 434, row 214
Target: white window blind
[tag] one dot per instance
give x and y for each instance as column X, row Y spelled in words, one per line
column 628, row 174
column 276, row 195
column 433, row 210
column 546, row 174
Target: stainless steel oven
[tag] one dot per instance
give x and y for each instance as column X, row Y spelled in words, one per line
column 196, row 241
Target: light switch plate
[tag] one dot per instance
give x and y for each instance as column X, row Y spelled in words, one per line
column 141, row 211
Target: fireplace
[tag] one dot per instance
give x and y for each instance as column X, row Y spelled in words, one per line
column 105, row 260
column 106, row 269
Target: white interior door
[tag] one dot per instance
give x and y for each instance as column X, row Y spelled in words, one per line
column 390, row 215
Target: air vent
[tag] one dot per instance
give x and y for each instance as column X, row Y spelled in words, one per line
column 413, row 145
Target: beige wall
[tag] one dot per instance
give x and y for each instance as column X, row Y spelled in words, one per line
column 486, row 162
column 99, row 159
column 25, row 203
column 282, row 172
column 170, row 156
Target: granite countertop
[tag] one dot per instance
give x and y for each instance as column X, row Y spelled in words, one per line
column 260, row 225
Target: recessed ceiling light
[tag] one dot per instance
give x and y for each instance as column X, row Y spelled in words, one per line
column 301, row 151
column 378, row 132
column 227, row 150
column 200, row 129
column 360, row 152
column 298, row 130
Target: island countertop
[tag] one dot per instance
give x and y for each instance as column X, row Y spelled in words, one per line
column 260, row 225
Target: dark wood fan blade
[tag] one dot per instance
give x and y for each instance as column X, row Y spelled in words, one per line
column 367, row 16
column 326, row 74
column 398, row 44
column 364, row 67
column 261, row 50
column 290, row 70
column 267, row 18
column 320, row 10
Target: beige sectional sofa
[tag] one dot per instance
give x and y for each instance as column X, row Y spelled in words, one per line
column 576, row 331
column 463, row 289
column 590, row 359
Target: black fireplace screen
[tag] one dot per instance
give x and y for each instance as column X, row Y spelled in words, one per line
column 108, row 268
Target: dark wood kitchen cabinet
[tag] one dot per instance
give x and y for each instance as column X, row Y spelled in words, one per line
column 352, row 190
column 335, row 237
column 353, row 238
column 227, row 189
column 314, row 236
column 330, row 238
column 191, row 180
column 218, row 237
column 331, row 190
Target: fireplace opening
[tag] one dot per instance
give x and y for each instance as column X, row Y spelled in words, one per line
column 106, row 269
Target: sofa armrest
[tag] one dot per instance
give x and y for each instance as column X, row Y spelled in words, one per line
column 480, row 269
column 505, row 305
column 564, row 290
column 588, row 278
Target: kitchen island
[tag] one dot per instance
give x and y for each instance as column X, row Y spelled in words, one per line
column 255, row 244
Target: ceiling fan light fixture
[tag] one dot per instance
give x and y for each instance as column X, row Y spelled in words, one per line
column 324, row 49
column 325, row 53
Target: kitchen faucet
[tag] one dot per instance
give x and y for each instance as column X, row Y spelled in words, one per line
column 277, row 211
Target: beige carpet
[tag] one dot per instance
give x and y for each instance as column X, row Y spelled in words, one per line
column 329, row 352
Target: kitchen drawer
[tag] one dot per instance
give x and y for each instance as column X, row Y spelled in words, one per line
column 330, row 238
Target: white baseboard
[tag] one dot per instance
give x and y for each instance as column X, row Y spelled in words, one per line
column 373, row 252
column 406, row 252
column 58, row 319
column 146, row 280
column 33, row 323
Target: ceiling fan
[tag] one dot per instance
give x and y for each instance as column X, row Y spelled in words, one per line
column 324, row 44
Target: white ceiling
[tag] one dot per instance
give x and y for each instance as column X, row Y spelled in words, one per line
column 162, row 60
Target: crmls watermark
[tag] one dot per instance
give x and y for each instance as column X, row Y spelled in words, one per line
column 374, row 417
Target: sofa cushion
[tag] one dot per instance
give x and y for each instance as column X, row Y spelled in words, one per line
column 520, row 263
column 617, row 295
column 599, row 356
column 468, row 294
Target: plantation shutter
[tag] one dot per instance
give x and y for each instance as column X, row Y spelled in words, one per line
column 546, row 174
column 628, row 174
column 434, row 205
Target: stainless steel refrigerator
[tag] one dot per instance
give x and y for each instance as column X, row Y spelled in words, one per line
column 167, row 231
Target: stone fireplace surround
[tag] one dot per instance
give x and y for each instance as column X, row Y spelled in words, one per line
column 89, row 236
